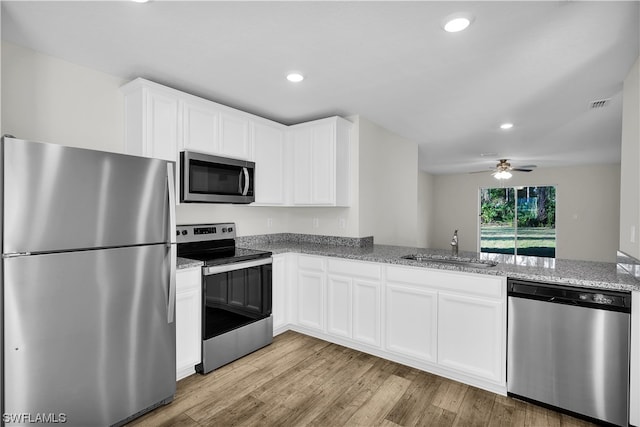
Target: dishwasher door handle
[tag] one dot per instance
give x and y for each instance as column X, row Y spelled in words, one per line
column 559, row 300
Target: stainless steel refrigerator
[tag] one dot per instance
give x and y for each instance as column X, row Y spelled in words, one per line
column 88, row 284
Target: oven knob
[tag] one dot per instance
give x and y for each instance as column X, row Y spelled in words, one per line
column 224, row 230
column 184, row 232
column 230, row 229
column 177, row 232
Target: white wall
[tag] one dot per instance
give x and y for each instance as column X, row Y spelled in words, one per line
column 630, row 164
column 587, row 208
column 426, row 209
column 50, row 100
column 388, row 186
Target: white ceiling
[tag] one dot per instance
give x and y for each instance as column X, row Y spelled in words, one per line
column 536, row 64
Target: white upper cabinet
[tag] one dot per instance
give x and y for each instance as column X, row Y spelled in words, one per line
column 151, row 120
column 269, row 156
column 200, row 126
column 234, row 136
column 208, row 128
column 301, row 165
column 320, row 169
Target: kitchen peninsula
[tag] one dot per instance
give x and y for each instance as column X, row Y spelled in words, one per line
column 446, row 319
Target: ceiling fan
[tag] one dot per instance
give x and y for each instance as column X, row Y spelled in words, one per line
column 503, row 169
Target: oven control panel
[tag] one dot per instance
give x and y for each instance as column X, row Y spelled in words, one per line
column 205, row 232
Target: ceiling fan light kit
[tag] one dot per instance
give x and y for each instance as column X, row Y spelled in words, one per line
column 502, row 175
column 503, row 170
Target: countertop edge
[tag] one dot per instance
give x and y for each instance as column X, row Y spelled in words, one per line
column 622, row 281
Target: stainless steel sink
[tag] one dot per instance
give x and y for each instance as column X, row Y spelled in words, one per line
column 463, row 262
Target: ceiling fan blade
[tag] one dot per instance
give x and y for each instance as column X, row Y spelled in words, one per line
column 521, row 170
column 487, row 171
column 528, row 166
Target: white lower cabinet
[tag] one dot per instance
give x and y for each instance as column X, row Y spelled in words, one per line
column 411, row 321
column 366, row 312
column 311, row 292
column 471, row 335
column 280, row 293
column 353, row 300
column 188, row 320
column 450, row 323
column 339, row 303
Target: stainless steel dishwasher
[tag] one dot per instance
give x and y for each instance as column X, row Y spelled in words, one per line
column 568, row 348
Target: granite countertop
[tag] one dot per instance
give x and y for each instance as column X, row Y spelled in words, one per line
column 188, row 263
column 601, row 275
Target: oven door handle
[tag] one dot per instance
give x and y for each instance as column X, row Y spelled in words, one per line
column 217, row 269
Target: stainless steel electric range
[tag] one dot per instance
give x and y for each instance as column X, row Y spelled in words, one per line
column 236, row 293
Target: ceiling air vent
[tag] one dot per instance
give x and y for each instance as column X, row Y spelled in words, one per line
column 599, row 103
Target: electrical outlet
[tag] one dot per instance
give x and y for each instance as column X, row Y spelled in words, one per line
column 342, row 223
column 316, row 223
column 632, row 235
column 269, row 222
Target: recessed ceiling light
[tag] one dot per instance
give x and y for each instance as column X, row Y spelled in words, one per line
column 506, row 126
column 456, row 23
column 140, row 1
column 295, row 77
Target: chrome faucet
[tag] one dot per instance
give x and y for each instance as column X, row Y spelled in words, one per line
column 454, row 244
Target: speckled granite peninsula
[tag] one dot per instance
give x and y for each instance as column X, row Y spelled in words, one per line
column 589, row 274
column 188, row 263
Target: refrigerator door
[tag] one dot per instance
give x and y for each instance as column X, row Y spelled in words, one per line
column 64, row 198
column 89, row 335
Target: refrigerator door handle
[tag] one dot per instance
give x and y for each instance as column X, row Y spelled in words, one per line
column 171, row 305
column 172, row 244
column 172, row 203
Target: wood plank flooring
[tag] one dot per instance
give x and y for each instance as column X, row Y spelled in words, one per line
column 304, row 381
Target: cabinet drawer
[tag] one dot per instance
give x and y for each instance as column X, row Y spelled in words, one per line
column 468, row 283
column 188, row 279
column 353, row 268
column 309, row 262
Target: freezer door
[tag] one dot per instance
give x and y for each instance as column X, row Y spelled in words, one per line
column 63, row 198
column 90, row 334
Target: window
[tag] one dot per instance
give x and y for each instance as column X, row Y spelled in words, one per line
column 518, row 221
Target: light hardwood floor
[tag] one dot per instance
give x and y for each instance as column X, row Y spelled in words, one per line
column 304, row 381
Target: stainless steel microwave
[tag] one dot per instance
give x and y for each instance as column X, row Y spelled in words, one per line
column 214, row 179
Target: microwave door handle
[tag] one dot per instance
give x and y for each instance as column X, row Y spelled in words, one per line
column 246, row 181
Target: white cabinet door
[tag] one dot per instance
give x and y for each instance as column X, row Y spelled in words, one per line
column 234, row 136
column 311, row 286
column 353, row 300
column 302, row 144
column 200, row 126
column 366, row 312
column 471, row 335
column 280, row 292
column 188, row 321
column 411, row 321
column 162, row 126
column 323, row 170
column 339, row 305
column 321, row 162
column 151, row 120
column 269, row 156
